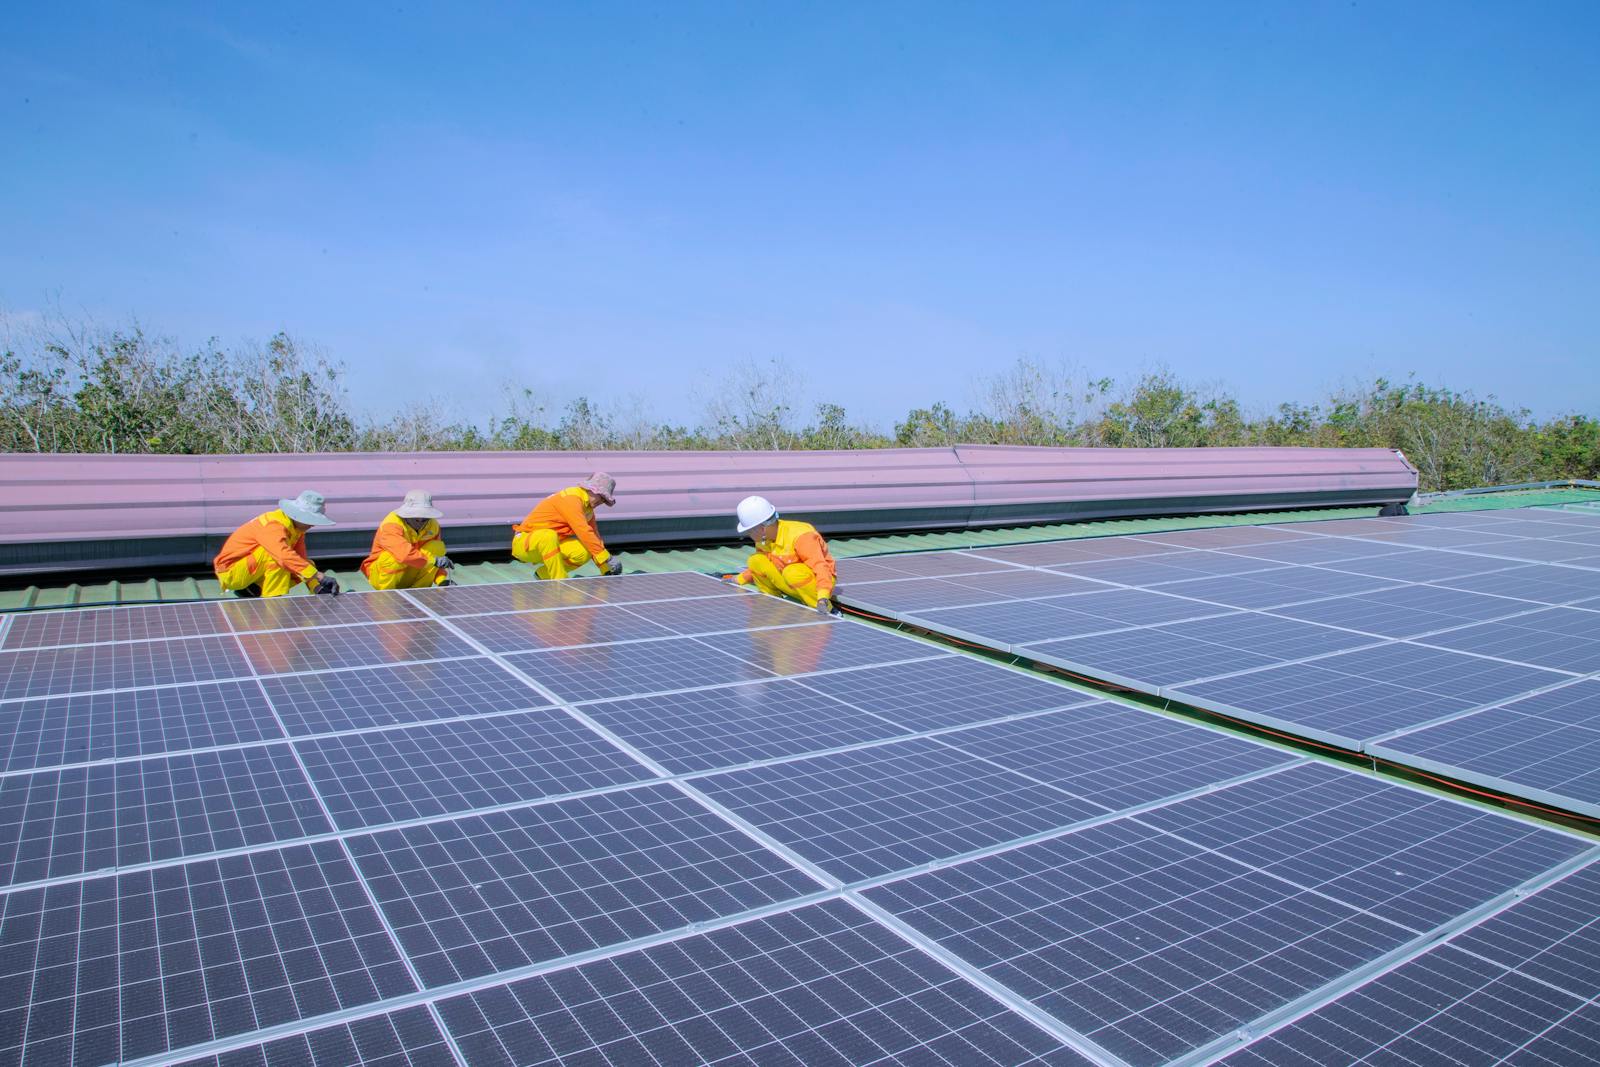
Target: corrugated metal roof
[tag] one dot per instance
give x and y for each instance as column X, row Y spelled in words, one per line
column 726, row 558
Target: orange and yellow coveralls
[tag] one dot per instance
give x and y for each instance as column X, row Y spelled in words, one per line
column 268, row 551
column 559, row 534
column 795, row 564
column 402, row 558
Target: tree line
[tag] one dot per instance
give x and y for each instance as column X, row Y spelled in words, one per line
column 68, row 387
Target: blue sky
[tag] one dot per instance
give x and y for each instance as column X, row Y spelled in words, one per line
column 624, row 201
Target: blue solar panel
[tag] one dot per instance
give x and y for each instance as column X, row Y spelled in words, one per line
column 1546, row 747
column 531, row 630
column 801, row 650
column 728, row 613
column 1117, row 756
column 1565, row 639
column 377, row 777
column 709, row 728
column 88, row 668
column 296, row 651
column 145, row 963
column 290, row 613
column 396, row 694
column 604, row 672
column 490, row 893
column 408, row 1037
column 822, row 985
column 53, row 731
column 96, row 817
column 889, row 808
column 938, row 693
column 97, row 626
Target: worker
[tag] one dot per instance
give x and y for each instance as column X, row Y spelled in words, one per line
column 267, row 555
column 559, row 534
column 791, row 558
column 407, row 551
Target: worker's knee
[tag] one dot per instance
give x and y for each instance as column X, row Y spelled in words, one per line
column 534, row 546
column 574, row 553
column 798, row 574
column 760, row 564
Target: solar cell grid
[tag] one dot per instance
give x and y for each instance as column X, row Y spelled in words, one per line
column 1174, row 568
column 1151, row 656
column 605, row 672
column 1265, row 590
column 1048, row 553
column 1407, row 610
column 408, row 1037
column 53, row 731
column 1114, row 608
column 858, row 571
column 1008, row 625
column 55, row 824
column 1026, row 584
column 801, row 650
column 1281, row 639
column 88, row 668
column 874, row 811
column 301, row 612
column 821, row 985
column 1465, row 538
column 944, row 564
column 396, row 694
column 1320, row 550
column 709, row 728
column 1229, row 536
column 99, row 626
column 481, row 895
column 938, row 693
column 1117, row 756
column 379, row 777
column 729, row 613
column 1415, row 859
column 141, row 964
column 1552, row 551
column 914, row 594
column 633, row 588
column 1552, row 935
column 1145, row 944
column 563, row 628
column 1421, row 565
column 505, row 596
column 1543, row 583
column 297, row 651
column 1566, row 639
column 1445, row 1007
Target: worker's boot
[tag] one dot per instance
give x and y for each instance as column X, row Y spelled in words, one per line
column 249, row 592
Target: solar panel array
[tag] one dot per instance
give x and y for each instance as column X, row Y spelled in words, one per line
column 1464, row 644
column 657, row 819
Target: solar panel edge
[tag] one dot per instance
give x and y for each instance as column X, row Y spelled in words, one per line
column 1558, row 802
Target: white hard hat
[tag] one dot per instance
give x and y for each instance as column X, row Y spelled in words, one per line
column 753, row 511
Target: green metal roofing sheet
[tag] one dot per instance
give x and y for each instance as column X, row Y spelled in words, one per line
column 731, row 557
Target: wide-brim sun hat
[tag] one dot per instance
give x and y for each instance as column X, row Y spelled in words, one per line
column 603, row 486
column 310, row 508
column 418, row 504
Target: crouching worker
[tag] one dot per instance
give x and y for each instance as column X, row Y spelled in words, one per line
column 267, row 555
column 407, row 550
column 559, row 534
column 791, row 558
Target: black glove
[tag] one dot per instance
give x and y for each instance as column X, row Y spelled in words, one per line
column 612, row 566
column 824, row 606
column 444, row 563
column 327, row 584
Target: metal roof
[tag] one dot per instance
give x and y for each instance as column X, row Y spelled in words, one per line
column 723, row 558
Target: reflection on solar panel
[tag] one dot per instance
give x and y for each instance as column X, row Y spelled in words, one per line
column 1350, row 633
column 671, row 822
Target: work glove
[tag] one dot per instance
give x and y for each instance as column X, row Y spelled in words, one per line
column 444, row 563
column 824, row 605
column 327, row 584
column 612, row 566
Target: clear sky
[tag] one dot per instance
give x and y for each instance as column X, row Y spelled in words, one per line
column 621, row 201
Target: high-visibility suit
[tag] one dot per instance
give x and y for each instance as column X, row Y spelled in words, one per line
column 795, row 564
column 402, row 558
column 559, row 534
column 266, row 551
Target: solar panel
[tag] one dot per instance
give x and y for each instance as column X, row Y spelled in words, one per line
column 708, row 728
column 289, row 613
column 1565, row 639
column 1406, row 610
column 638, row 668
column 1545, row 747
column 1546, row 584
column 98, row 626
column 91, row 668
column 916, row 594
column 54, row 824
column 377, row 844
column 384, row 776
column 875, row 811
column 495, row 892
column 55, row 731
column 818, row 985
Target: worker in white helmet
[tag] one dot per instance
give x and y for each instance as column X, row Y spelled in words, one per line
column 791, row 558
